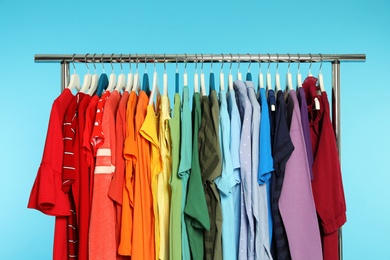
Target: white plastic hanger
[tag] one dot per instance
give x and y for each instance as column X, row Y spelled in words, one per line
column 321, row 78
column 316, row 101
column 87, row 78
column 165, row 79
column 311, row 62
column 121, row 84
column 94, row 79
column 129, row 83
column 261, row 76
column 202, row 82
column 74, row 78
column 221, row 78
column 239, row 75
column 288, row 79
column 136, row 83
column 154, row 86
column 299, row 75
column 112, row 81
column 185, row 76
column 196, row 76
column 268, row 84
column 230, row 76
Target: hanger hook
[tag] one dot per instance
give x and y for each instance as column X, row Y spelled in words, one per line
column 146, row 70
column 112, row 66
column 185, row 64
column 299, row 62
column 211, row 66
column 154, row 62
column 101, row 60
column 74, row 67
column 130, row 61
column 177, row 67
column 120, row 61
column 250, row 62
column 259, row 62
column 231, row 63
column 93, row 61
column 289, row 61
column 222, row 61
column 239, row 61
column 201, row 68
column 85, row 61
column 269, row 60
column 196, row 62
column 311, row 61
column 136, row 62
column 277, row 63
column 165, row 64
column 321, row 62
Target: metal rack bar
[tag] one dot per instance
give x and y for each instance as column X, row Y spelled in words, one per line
column 191, row 58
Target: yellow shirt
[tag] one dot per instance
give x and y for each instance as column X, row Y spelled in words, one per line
column 149, row 131
column 163, row 202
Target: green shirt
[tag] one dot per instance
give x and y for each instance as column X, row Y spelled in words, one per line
column 176, row 185
column 196, row 213
column 211, row 168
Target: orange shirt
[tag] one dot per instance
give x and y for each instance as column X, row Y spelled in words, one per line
column 143, row 222
column 130, row 152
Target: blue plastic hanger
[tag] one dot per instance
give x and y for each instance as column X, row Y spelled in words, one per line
column 249, row 74
column 212, row 79
column 103, row 81
column 145, row 81
column 177, row 88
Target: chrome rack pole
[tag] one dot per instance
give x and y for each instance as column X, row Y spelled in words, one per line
column 336, row 115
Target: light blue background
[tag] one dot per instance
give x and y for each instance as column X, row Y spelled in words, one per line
column 28, row 89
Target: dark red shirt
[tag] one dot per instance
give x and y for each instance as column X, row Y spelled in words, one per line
column 327, row 185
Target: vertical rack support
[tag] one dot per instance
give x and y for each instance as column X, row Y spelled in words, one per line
column 336, row 125
column 64, row 74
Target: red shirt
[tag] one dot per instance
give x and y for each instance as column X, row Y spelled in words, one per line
column 46, row 194
column 327, row 185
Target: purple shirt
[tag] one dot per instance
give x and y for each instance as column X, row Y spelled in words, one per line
column 246, row 246
column 296, row 203
column 306, row 127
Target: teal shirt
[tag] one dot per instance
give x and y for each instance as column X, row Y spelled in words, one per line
column 196, row 212
column 226, row 182
column 185, row 166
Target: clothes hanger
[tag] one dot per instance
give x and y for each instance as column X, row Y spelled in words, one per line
column 129, row 82
column 299, row 75
column 120, row 85
column 165, row 78
column 211, row 79
column 221, row 77
column 185, row 76
column 196, row 76
column 249, row 74
column 94, row 79
column 103, row 80
column 177, row 88
column 239, row 75
column 112, row 81
column 230, row 77
column 288, row 78
column 145, row 81
column 311, row 62
column 74, row 78
column 154, row 86
column 321, row 78
column 268, row 86
column 277, row 76
column 136, row 77
column 87, row 77
column 261, row 76
column 202, row 84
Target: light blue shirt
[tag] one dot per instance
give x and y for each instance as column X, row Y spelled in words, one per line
column 259, row 192
column 247, row 243
column 226, row 182
column 235, row 133
column 185, row 166
column 266, row 161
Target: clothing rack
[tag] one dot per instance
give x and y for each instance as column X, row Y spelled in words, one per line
column 335, row 59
